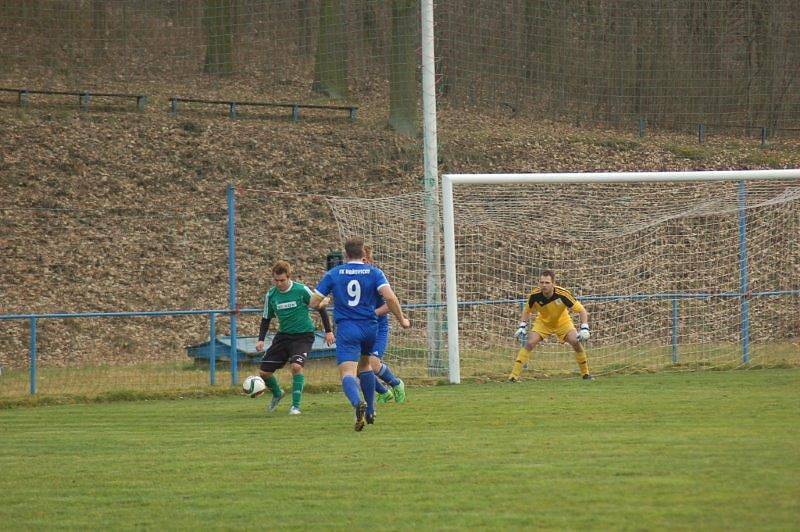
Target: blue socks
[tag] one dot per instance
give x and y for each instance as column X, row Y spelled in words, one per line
column 350, row 389
column 369, row 384
column 387, row 376
column 367, row 379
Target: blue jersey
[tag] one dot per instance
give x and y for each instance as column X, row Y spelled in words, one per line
column 355, row 288
column 382, row 336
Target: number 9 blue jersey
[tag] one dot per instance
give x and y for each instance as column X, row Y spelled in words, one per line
column 355, row 288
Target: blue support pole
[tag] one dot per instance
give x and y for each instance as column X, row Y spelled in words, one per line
column 212, row 361
column 641, row 127
column 744, row 282
column 32, row 349
column 674, row 331
column 232, row 285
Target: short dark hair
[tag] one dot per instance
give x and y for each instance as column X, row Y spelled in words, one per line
column 281, row 267
column 354, row 247
column 549, row 273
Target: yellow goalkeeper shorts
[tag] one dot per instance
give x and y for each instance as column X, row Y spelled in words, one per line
column 561, row 331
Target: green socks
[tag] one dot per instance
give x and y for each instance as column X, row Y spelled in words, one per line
column 272, row 384
column 298, row 381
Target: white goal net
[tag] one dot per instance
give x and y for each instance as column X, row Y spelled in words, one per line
column 678, row 275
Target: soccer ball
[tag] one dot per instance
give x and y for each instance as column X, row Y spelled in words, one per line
column 253, row 386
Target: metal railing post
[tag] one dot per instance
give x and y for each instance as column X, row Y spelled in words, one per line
column 674, row 331
column 212, row 361
column 232, row 284
column 744, row 281
column 32, row 350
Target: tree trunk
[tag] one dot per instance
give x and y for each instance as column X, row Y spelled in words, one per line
column 303, row 14
column 99, row 27
column 403, row 90
column 218, row 19
column 330, row 68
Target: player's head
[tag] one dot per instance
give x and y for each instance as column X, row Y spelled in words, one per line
column 546, row 281
column 281, row 275
column 354, row 248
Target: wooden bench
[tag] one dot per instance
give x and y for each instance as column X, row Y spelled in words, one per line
column 233, row 105
column 83, row 97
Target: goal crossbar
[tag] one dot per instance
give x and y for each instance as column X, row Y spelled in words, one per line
column 620, row 177
column 448, row 218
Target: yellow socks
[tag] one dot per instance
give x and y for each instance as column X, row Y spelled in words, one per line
column 522, row 358
column 582, row 360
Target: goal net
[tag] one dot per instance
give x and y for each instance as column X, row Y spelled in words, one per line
column 674, row 274
column 395, row 229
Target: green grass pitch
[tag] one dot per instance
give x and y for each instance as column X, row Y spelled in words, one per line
column 707, row 450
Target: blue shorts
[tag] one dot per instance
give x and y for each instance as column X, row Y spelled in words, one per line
column 381, row 340
column 354, row 338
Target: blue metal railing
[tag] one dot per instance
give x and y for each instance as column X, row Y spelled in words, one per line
column 34, row 318
column 232, row 284
column 743, row 295
column 743, row 274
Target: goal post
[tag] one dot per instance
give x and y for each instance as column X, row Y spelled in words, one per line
column 681, row 237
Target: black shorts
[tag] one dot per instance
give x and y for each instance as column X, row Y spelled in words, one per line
column 286, row 347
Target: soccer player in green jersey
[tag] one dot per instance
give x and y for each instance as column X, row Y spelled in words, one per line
column 288, row 301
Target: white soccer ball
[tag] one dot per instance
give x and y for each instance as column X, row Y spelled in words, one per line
column 253, row 386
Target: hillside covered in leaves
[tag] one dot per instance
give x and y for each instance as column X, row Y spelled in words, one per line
column 119, row 210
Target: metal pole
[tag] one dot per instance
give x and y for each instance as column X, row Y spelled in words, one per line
column 744, row 282
column 674, row 331
column 232, row 285
column 32, row 350
column 450, row 272
column 433, row 239
column 622, row 177
column 212, row 362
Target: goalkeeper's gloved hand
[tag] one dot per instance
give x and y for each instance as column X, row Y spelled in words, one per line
column 522, row 331
column 583, row 333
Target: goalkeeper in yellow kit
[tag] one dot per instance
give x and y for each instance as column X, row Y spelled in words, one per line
column 551, row 305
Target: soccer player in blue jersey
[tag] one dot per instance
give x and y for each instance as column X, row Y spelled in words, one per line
column 382, row 371
column 356, row 287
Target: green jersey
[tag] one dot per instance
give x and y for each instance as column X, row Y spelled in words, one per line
column 290, row 307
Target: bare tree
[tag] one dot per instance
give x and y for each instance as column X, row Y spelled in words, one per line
column 218, row 20
column 100, row 26
column 330, row 68
column 403, row 93
column 304, row 29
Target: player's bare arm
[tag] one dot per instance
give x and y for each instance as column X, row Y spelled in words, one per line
column 583, row 331
column 393, row 305
column 584, row 317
